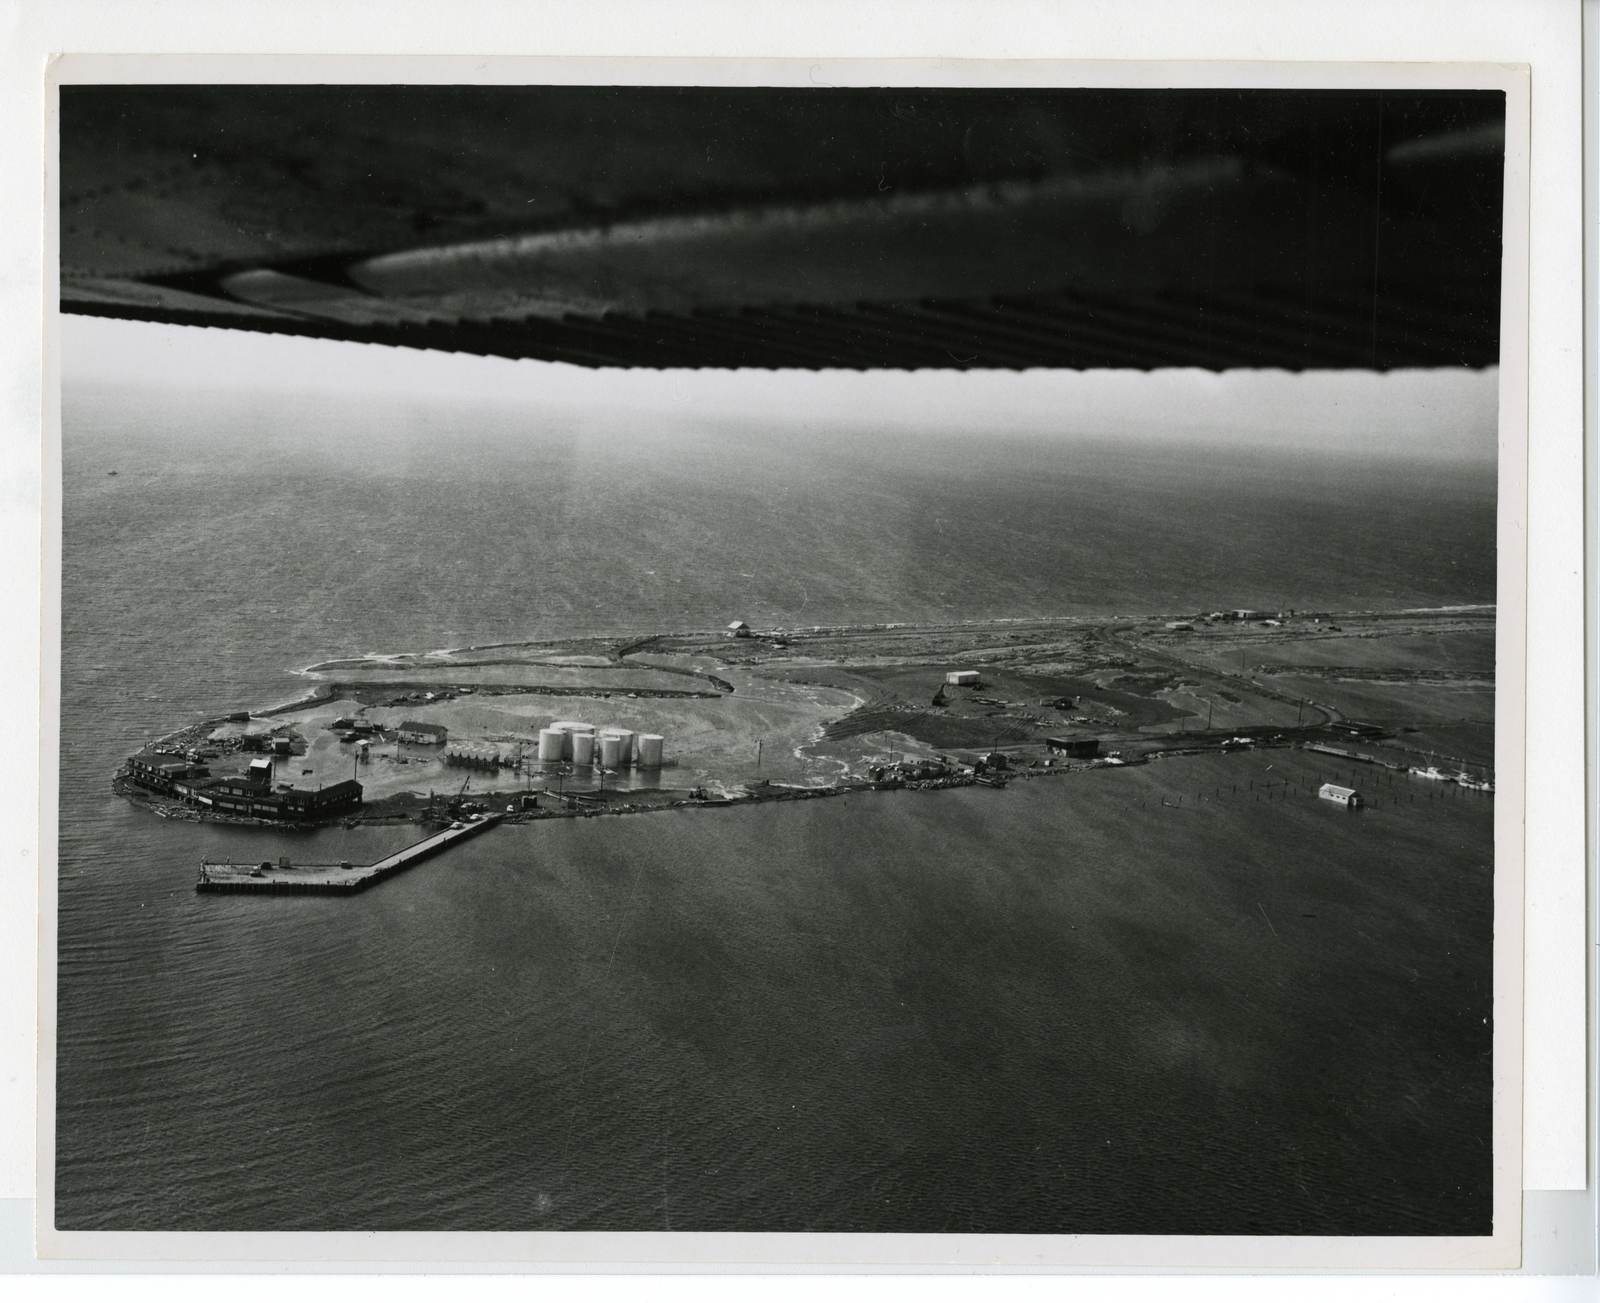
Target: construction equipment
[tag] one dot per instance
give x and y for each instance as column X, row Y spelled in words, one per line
column 453, row 805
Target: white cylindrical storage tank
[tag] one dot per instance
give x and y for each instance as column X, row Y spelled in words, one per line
column 625, row 737
column 610, row 750
column 650, row 750
column 550, row 743
column 569, row 727
column 582, row 748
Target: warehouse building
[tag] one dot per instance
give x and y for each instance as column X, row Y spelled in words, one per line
column 160, row 771
column 251, row 795
column 427, row 734
column 245, row 797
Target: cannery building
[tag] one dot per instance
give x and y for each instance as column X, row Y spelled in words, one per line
column 252, row 795
column 160, row 771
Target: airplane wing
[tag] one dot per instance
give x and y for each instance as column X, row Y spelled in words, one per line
column 702, row 227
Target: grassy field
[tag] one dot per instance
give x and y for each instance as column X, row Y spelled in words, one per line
column 1465, row 652
column 1398, row 703
column 1366, row 647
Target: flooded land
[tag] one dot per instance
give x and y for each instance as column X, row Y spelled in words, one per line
column 745, row 714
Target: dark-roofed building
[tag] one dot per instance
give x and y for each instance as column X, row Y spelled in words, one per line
column 246, row 798
column 161, row 771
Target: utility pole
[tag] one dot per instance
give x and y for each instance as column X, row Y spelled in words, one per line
column 758, row 753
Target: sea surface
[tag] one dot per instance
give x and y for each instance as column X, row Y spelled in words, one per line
column 1053, row 1008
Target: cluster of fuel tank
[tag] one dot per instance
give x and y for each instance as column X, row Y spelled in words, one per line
column 608, row 747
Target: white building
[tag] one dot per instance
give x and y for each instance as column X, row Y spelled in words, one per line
column 1345, row 796
column 962, row 678
column 412, row 730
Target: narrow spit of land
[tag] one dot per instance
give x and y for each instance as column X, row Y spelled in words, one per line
column 794, row 714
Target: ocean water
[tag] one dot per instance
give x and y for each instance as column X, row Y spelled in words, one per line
column 964, row 1011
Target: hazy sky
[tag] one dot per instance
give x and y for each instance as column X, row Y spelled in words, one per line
column 1448, row 414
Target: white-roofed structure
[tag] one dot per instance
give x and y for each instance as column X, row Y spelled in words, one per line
column 1345, row 796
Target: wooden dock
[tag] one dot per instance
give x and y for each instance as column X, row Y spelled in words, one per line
column 1344, row 753
column 342, row 879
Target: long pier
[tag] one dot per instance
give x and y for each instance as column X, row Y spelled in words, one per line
column 342, row 879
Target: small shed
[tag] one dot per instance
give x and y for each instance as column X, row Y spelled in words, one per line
column 260, row 772
column 1345, row 796
column 962, row 678
column 738, row 629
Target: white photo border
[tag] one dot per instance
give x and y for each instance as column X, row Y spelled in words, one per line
column 1500, row 1250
